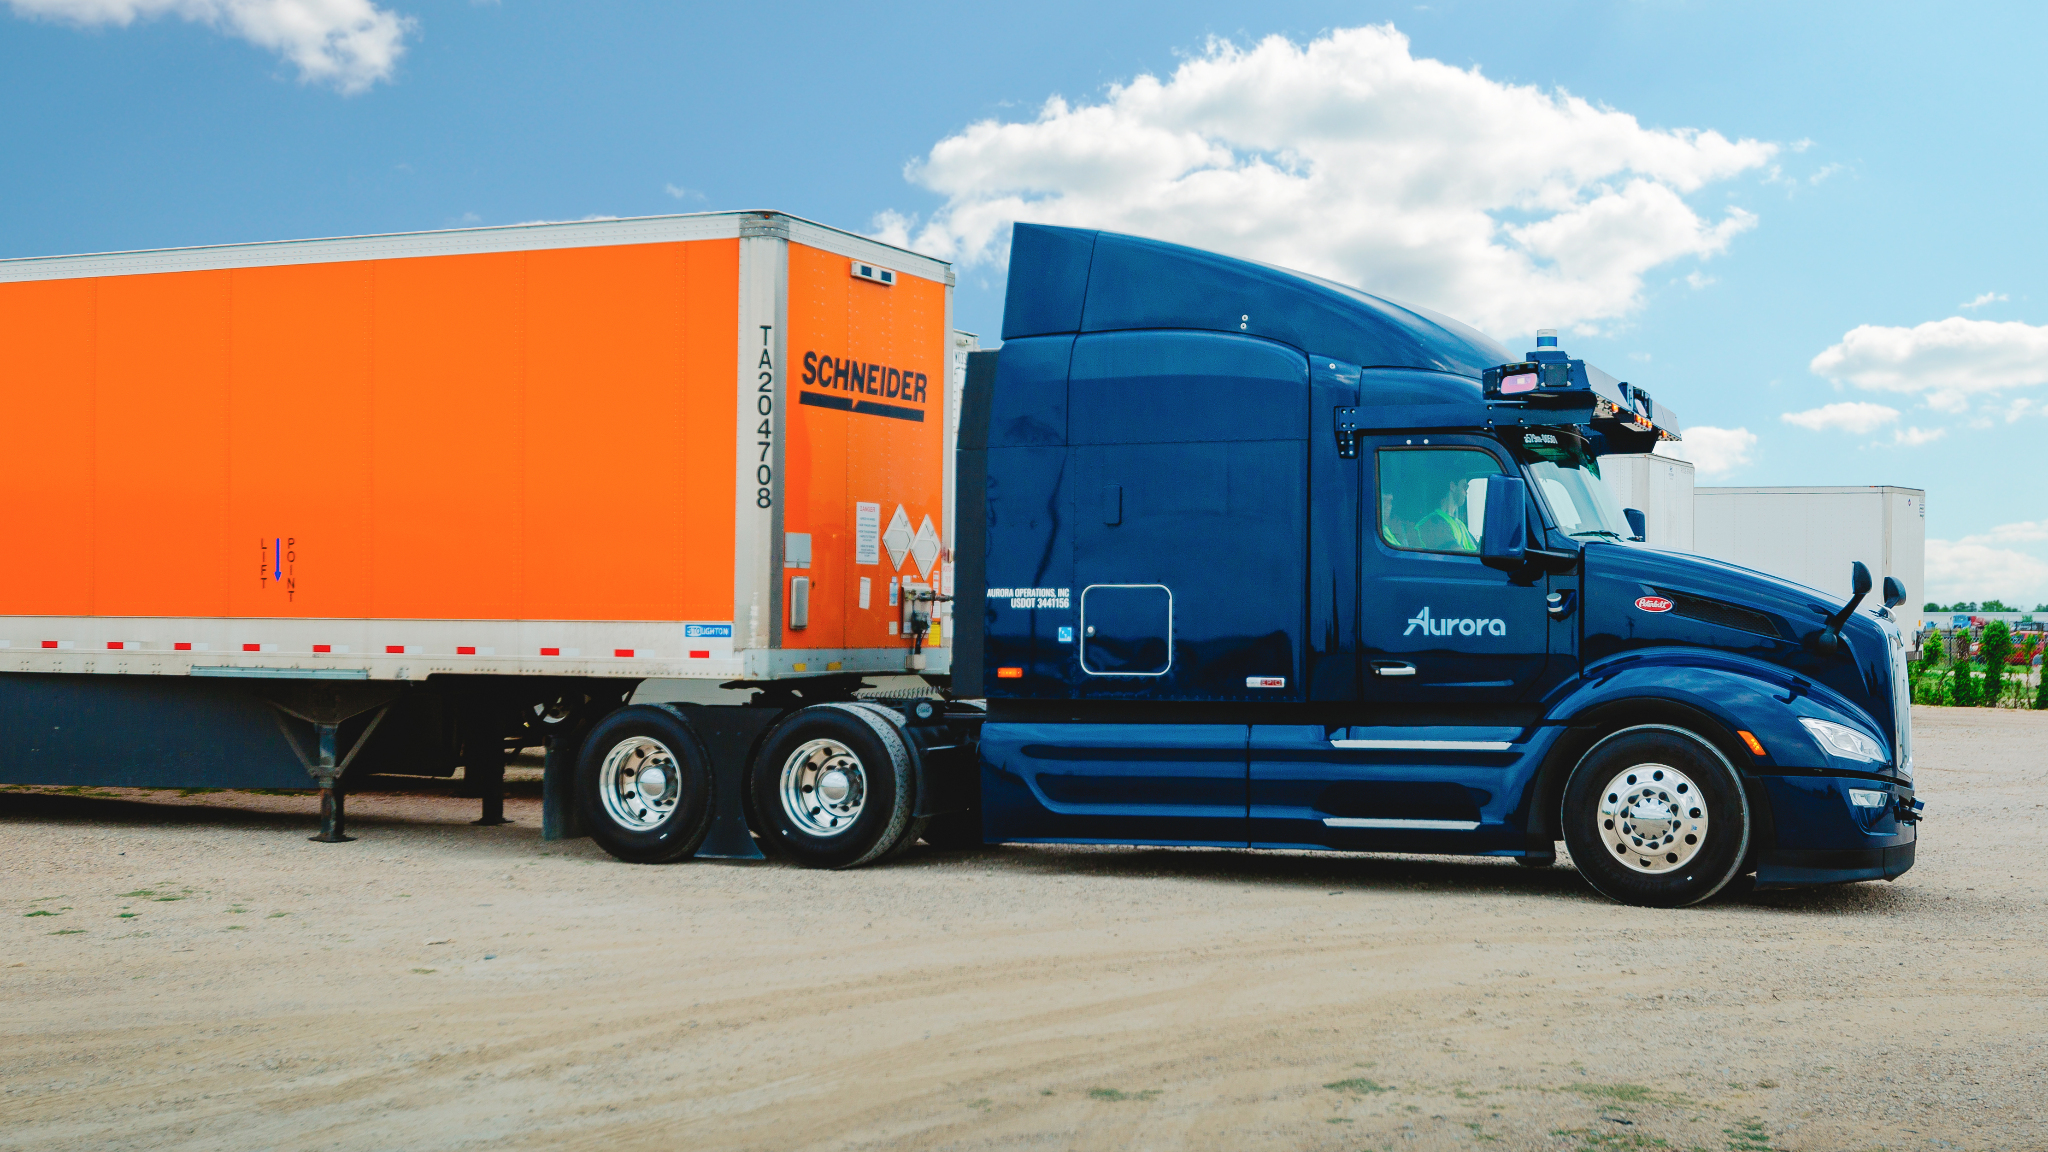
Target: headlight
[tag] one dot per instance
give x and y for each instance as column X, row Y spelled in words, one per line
column 1843, row 740
column 1864, row 798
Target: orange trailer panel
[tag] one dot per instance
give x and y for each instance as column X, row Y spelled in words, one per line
column 541, row 441
column 868, row 427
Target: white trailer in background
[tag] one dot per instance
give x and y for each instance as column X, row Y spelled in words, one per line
column 1661, row 488
column 1811, row 534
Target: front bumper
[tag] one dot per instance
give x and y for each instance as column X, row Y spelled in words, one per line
column 1822, row 838
column 1797, row 868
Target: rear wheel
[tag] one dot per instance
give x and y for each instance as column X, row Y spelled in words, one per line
column 645, row 785
column 834, row 788
column 1656, row 816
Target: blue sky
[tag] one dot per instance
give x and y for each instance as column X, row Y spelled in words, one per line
column 1757, row 211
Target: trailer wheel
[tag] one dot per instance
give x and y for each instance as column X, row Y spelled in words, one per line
column 645, row 785
column 834, row 788
column 1656, row 816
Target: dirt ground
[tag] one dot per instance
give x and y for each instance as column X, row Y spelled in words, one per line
column 190, row 972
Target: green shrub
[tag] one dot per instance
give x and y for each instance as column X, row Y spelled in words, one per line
column 1931, row 688
column 1930, row 652
column 1963, row 689
column 1997, row 646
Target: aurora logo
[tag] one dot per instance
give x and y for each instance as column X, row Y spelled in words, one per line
column 1454, row 627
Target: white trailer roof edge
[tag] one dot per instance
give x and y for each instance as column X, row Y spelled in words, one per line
column 469, row 241
column 1804, row 489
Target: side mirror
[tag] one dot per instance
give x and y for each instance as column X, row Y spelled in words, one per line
column 1830, row 633
column 1894, row 592
column 1638, row 524
column 1504, row 535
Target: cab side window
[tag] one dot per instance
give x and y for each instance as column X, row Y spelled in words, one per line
column 1433, row 499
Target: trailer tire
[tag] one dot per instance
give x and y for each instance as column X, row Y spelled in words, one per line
column 1656, row 816
column 644, row 784
column 834, row 788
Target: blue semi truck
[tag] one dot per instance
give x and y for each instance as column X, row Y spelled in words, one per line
column 1264, row 561
column 1243, row 558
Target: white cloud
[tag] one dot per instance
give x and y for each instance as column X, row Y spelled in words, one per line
column 1713, row 451
column 1775, row 174
column 1915, row 437
column 1949, row 361
column 1507, row 206
column 350, row 44
column 1986, row 298
column 1975, row 568
column 1851, row 416
column 2018, row 532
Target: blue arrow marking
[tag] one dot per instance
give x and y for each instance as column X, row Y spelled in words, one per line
column 277, row 559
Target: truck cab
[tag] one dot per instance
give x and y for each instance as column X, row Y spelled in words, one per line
column 1249, row 558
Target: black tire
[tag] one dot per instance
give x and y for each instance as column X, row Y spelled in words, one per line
column 628, row 746
column 787, row 783
column 1673, row 787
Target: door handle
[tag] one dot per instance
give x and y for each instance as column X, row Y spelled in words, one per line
column 1392, row 668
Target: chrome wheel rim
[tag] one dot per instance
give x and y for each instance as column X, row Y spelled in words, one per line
column 1653, row 818
column 823, row 788
column 640, row 783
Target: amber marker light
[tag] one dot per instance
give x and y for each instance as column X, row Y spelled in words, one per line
column 1750, row 739
column 1009, row 673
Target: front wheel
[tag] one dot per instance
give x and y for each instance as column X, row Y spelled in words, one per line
column 1656, row 816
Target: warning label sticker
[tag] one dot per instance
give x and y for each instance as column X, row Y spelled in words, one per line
column 867, row 534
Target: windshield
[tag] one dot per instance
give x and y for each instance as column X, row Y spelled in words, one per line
column 1568, row 476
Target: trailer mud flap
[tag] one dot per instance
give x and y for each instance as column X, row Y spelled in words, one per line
column 731, row 736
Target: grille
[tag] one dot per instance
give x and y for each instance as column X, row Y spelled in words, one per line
column 1722, row 613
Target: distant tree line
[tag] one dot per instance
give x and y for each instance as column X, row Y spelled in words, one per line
column 1997, row 676
column 1986, row 606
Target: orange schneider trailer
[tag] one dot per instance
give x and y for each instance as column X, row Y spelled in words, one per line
column 531, row 466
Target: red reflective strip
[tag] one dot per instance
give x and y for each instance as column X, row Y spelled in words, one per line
column 49, row 643
column 114, row 644
column 181, row 647
column 323, row 647
column 395, row 649
column 465, row 651
column 700, row 655
column 551, row 651
column 622, row 651
column 252, row 647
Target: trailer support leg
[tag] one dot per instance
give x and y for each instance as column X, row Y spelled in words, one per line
column 333, row 802
column 333, row 818
column 487, row 768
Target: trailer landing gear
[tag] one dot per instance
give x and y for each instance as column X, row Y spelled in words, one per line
column 324, row 707
column 333, row 817
column 486, row 770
